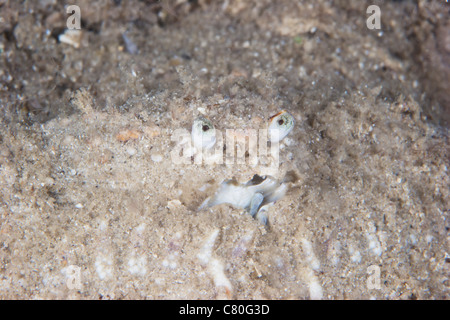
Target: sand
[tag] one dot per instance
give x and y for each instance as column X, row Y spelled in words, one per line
column 96, row 204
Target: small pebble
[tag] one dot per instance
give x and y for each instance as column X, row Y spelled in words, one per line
column 173, row 204
column 129, row 44
column 131, row 151
column 156, row 157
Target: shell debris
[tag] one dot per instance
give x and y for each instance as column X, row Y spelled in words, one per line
column 128, row 134
column 215, row 267
column 72, row 37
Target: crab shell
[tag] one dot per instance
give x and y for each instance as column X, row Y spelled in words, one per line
column 251, row 196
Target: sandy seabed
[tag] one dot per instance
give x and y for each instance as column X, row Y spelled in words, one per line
column 93, row 205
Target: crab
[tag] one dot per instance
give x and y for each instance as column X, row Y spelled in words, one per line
column 256, row 195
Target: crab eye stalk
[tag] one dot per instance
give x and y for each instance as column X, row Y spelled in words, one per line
column 280, row 125
column 203, row 133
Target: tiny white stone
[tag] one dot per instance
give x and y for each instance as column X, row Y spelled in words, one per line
column 131, row 151
column 137, row 266
column 103, row 266
column 156, row 157
column 356, row 257
column 173, row 204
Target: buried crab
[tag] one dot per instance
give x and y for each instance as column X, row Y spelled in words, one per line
column 254, row 196
column 259, row 193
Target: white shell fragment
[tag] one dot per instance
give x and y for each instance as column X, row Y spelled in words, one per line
column 254, row 196
column 280, row 125
column 203, row 133
column 71, row 37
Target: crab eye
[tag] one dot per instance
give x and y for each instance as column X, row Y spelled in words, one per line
column 280, row 125
column 203, row 133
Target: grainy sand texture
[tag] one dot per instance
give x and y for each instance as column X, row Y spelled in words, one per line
column 100, row 196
